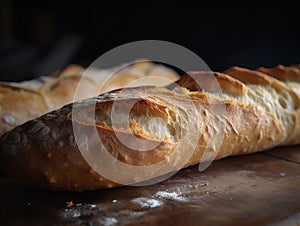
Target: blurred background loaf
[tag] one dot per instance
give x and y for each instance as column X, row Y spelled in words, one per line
column 23, row 101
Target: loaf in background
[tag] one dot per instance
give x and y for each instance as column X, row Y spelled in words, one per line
column 23, row 101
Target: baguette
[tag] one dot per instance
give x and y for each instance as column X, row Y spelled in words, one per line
column 24, row 101
column 178, row 126
column 20, row 102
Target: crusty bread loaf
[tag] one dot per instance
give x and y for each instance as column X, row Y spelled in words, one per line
column 20, row 102
column 177, row 126
column 24, row 101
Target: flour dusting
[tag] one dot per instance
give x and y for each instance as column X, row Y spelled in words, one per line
column 146, row 202
column 175, row 196
column 109, row 221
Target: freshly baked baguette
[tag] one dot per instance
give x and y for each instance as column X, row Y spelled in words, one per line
column 20, row 102
column 167, row 129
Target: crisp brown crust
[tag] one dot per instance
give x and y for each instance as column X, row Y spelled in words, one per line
column 254, row 77
column 284, row 73
column 193, row 80
column 178, row 124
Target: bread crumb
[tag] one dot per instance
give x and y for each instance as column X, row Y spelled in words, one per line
column 69, row 203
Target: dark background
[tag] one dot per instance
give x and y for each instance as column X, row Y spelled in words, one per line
column 39, row 37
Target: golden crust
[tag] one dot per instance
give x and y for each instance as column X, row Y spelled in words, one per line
column 12, row 113
column 284, row 73
column 254, row 77
column 197, row 81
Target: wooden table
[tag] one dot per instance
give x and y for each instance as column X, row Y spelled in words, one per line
column 258, row 189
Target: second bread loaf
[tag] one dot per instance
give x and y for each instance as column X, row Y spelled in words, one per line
column 23, row 101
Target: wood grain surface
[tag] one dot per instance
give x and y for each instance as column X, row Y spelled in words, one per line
column 258, row 189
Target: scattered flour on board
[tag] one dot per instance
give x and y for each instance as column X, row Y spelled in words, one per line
column 109, row 221
column 175, row 196
column 146, row 202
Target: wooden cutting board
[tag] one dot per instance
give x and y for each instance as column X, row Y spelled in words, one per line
column 258, row 189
